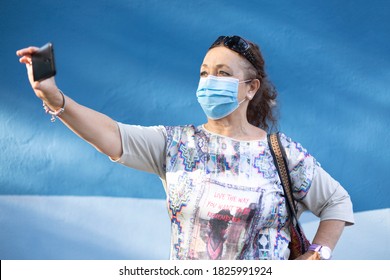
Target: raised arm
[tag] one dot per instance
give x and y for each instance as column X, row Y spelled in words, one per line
column 97, row 129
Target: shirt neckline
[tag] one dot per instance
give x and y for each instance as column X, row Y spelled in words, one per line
column 230, row 138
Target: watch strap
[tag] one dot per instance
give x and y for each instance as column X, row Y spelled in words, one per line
column 315, row 247
column 324, row 251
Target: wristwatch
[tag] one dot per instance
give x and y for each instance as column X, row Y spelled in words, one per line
column 324, row 251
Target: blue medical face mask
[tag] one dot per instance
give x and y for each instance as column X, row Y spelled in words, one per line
column 218, row 96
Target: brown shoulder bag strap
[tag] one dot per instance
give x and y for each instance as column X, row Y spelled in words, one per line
column 280, row 159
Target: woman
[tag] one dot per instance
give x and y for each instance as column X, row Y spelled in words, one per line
column 224, row 194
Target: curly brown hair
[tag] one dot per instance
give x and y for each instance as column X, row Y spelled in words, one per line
column 261, row 110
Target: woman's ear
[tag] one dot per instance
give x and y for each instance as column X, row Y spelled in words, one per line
column 254, row 87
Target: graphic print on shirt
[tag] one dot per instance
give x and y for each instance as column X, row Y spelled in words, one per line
column 222, row 221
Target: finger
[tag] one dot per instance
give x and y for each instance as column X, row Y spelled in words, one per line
column 27, row 51
column 25, row 59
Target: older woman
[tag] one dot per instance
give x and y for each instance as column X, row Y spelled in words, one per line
column 224, row 194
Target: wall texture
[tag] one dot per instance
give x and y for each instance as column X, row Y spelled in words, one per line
column 138, row 62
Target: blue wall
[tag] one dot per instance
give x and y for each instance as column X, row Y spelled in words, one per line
column 138, row 62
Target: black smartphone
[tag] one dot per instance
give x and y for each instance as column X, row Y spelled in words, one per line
column 43, row 63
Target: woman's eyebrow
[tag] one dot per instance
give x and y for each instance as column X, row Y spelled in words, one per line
column 218, row 65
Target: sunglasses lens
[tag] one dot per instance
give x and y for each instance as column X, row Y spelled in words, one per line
column 237, row 44
column 242, row 45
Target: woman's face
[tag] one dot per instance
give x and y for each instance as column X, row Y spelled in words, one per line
column 223, row 62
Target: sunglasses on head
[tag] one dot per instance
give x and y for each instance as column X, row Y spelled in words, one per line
column 237, row 44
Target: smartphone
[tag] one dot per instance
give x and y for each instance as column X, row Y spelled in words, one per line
column 43, row 63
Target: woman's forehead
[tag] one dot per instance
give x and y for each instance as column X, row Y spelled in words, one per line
column 223, row 56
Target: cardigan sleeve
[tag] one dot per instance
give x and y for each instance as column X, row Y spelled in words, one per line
column 327, row 199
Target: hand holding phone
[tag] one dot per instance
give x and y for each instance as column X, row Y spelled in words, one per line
column 43, row 63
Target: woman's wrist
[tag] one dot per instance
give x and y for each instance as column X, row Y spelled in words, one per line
column 55, row 111
column 54, row 100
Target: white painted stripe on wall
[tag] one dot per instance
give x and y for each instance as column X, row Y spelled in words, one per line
column 63, row 227
column 367, row 239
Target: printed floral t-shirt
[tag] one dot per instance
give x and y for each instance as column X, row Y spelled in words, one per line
column 224, row 196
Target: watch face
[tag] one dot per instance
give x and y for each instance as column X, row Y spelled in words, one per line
column 325, row 253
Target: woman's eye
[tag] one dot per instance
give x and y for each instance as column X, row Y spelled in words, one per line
column 203, row 74
column 223, row 73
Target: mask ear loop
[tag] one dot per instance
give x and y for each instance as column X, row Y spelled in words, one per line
column 239, row 103
column 249, row 80
column 246, row 97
